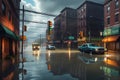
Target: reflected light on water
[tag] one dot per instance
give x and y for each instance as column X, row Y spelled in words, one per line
column 36, row 53
column 49, row 53
column 105, row 59
column 69, row 53
column 96, row 59
column 111, row 62
column 107, row 55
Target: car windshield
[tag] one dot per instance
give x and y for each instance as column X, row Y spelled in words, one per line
column 92, row 45
column 51, row 45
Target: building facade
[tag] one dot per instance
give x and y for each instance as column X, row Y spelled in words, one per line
column 57, row 28
column 66, row 26
column 112, row 24
column 90, row 17
column 9, row 27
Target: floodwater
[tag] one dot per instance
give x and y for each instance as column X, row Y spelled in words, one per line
column 61, row 64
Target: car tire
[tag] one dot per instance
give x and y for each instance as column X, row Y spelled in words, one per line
column 91, row 52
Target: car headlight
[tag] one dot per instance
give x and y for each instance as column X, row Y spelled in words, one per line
column 105, row 49
column 96, row 49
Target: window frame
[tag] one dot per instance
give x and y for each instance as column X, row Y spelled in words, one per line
column 108, row 20
column 117, row 4
column 116, row 17
column 3, row 9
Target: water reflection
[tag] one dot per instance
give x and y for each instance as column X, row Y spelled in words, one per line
column 9, row 69
column 69, row 53
column 36, row 53
column 81, row 67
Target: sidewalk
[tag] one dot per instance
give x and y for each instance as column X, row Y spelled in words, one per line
column 114, row 55
column 116, row 52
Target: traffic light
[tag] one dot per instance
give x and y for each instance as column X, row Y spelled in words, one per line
column 49, row 27
column 25, row 28
column 81, row 34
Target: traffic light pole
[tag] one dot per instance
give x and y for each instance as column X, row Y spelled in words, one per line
column 22, row 32
column 22, row 41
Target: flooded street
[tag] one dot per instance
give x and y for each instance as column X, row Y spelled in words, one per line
column 67, row 64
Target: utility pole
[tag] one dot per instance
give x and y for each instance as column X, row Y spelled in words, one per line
column 22, row 41
column 40, row 40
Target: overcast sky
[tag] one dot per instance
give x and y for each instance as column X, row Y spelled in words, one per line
column 45, row 6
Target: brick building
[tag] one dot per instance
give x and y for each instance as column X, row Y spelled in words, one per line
column 65, row 25
column 90, row 17
column 9, row 40
column 57, row 28
column 9, row 27
column 112, row 24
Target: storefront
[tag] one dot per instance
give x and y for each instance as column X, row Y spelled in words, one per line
column 112, row 38
column 7, row 41
column 112, row 42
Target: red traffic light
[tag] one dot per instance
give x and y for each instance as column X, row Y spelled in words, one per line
column 50, row 23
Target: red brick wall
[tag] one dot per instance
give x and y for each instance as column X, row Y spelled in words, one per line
column 111, row 14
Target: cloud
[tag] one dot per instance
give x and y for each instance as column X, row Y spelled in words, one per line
column 33, row 29
column 55, row 6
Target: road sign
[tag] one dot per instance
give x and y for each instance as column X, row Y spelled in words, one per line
column 71, row 37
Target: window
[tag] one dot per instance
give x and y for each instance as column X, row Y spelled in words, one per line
column 108, row 20
column 116, row 4
column 116, row 17
column 0, row 47
column 108, row 8
column 3, row 8
column 85, row 6
column 9, row 16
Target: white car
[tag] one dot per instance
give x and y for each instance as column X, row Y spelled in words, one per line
column 50, row 47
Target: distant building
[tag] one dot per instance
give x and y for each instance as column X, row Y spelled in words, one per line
column 90, row 17
column 112, row 24
column 9, row 27
column 57, row 28
column 65, row 25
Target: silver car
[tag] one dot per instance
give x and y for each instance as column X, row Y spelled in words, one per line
column 50, row 47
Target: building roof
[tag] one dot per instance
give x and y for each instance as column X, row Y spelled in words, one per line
column 67, row 8
column 90, row 2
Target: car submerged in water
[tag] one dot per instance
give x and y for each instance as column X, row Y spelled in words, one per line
column 91, row 48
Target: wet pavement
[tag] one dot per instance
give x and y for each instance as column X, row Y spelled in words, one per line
column 62, row 64
column 68, row 65
column 39, row 67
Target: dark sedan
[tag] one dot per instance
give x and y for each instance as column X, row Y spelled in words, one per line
column 92, row 48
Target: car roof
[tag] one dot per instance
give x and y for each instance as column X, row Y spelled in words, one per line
column 89, row 43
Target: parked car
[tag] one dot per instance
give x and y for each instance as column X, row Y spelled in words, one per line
column 35, row 46
column 50, row 47
column 92, row 48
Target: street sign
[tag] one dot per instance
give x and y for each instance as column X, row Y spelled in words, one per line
column 71, row 37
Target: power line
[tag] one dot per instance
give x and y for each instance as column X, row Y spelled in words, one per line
column 34, row 22
column 38, row 12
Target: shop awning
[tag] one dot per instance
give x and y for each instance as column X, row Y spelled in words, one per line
column 6, row 32
column 111, row 38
